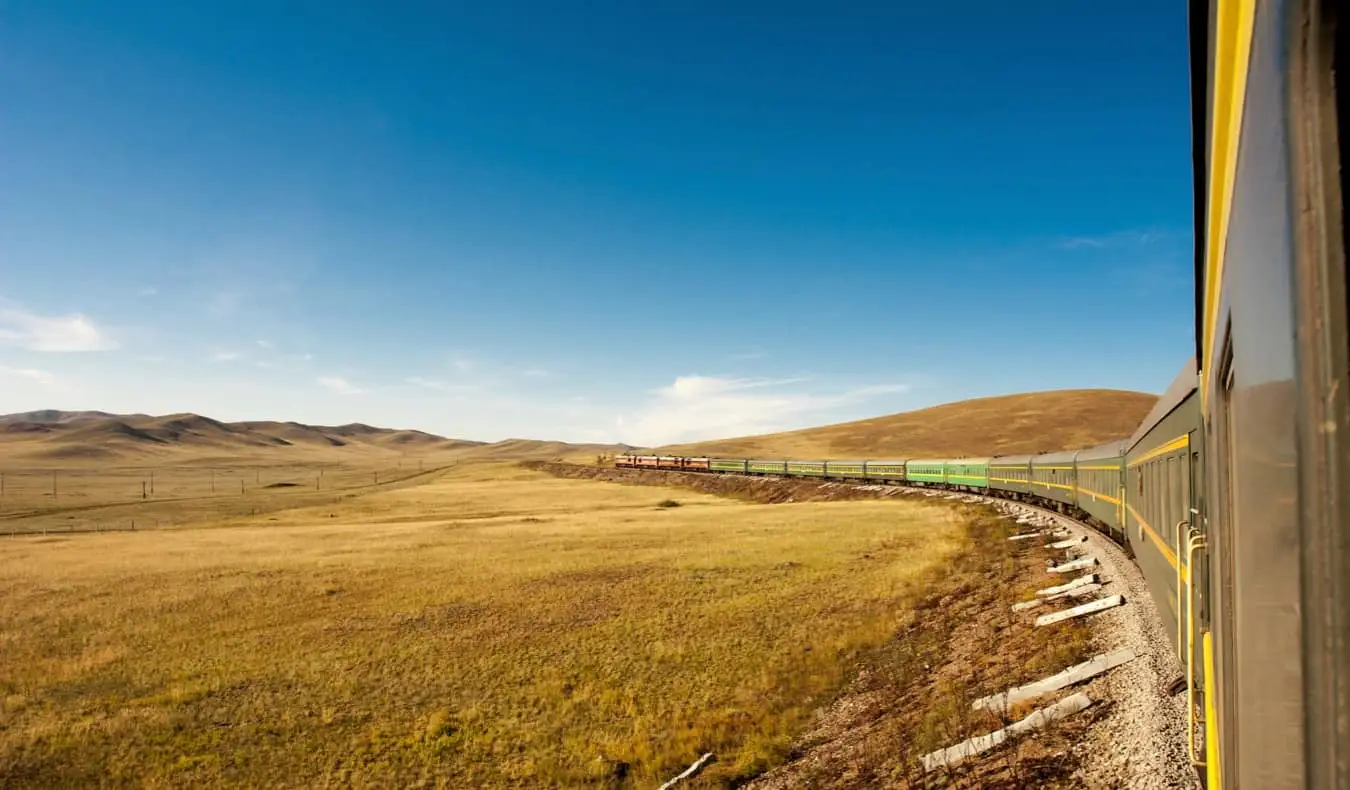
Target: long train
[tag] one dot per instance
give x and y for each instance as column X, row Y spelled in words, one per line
column 1234, row 493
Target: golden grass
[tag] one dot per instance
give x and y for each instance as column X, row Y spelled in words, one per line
column 495, row 627
column 1032, row 422
column 79, row 498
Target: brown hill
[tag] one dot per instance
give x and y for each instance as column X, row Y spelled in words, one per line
column 53, row 435
column 1004, row 425
column 56, row 416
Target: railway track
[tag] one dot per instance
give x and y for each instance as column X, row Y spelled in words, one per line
column 1138, row 737
column 1141, row 743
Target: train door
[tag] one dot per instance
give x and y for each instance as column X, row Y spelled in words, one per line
column 1220, row 578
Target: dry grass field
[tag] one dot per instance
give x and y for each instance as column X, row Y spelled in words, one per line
column 487, row 626
column 1032, row 422
column 91, row 471
column 97, row 497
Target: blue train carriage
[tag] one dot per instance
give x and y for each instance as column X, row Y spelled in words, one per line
column 926, row 471
column 1101, row 486
column 890, row 471
column 1161, row 469
column 1053, row 477
column 1011, row 473
column 845, row 470
column 970, row 474
column 737, row 466
column 766, row 467
column 805, row 468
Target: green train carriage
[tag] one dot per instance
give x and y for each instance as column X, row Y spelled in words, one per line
column 967, row 472
column 926, row 470
column 755, row 467
column 738, row 466
column 845, row 470
column 805, row 468
column 888, row 471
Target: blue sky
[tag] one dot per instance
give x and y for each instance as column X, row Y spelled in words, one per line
column 635, row 222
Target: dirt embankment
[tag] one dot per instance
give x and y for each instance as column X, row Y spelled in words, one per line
column 766, row 490
column 913, row 694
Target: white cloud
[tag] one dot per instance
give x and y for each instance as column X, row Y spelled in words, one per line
column 42, row 377
column 148, row 290
column 265, row 344
column 694, row 408
column 226, row 356
column 74, row 332
column 338, row 384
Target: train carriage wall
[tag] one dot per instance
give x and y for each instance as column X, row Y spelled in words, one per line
column 1158, row 496
column 1053, row 476
column 926, row 470
column 1101, row 485
column 1011, row 473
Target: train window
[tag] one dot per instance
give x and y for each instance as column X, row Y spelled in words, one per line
column 1173, row 496
column 1186, row 504
column 1157, row 493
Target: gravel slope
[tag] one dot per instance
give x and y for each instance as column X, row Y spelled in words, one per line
column 1142, row 743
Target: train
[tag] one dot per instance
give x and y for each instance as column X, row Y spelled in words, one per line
column 1233, row 494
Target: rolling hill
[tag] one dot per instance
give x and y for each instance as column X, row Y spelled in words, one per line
column 1004, row 425
column 50, row 435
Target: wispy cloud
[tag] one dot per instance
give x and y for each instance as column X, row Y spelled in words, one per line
column 264, row 344
column 148, row 290
column 697, row 407
column 62, row 333
column 338, row 384
column 1115, row 239
column 42, row 377
column 1079, row 242
column 226, row 356
column 443, row 386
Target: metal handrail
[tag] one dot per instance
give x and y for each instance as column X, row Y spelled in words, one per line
column 1195, row 542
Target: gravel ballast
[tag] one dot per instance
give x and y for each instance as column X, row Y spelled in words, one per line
column 1142, row 743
